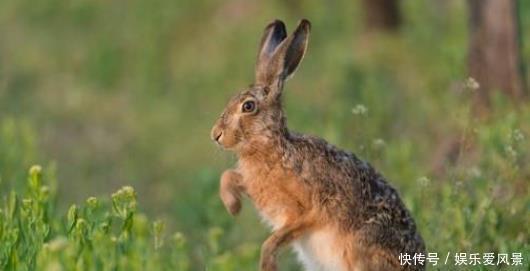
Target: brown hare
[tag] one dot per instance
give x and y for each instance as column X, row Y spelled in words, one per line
column 337, row 212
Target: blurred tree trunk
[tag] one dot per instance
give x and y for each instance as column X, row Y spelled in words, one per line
column 382, row 14
column 494, row 58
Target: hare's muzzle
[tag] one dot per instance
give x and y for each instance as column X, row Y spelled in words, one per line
column 216, row 134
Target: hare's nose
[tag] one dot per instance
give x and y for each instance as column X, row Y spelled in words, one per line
column 216, row 134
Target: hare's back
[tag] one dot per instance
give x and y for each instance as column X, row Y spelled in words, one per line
column 354, row 194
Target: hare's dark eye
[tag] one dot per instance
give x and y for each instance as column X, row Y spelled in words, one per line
column 248, row 106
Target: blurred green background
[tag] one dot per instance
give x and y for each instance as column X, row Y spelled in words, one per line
column 118, row 93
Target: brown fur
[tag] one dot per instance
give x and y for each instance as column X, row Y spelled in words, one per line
column 335, row 209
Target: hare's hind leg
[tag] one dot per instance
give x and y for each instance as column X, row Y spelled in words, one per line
column 230, row 191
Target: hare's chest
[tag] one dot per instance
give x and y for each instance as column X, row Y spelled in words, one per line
column 275, row 196
column 275, row 217
column 275, row 203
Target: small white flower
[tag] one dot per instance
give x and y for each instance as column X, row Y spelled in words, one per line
column 471, row 84
column 510, row 151
column 379, row 143
column 517, row 135
column 359, row 109
column 423, row 181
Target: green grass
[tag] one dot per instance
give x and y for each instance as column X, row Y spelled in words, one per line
column 99, row 234
column 109, row 95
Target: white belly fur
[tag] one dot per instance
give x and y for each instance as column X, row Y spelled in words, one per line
column 317, row 251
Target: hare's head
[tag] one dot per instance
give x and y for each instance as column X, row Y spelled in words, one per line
column 254, row 116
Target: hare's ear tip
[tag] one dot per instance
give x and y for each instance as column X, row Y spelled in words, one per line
column 275, row 23
column 305, row 23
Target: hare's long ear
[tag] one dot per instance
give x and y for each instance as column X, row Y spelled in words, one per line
column 285, row 59
column 273, row 35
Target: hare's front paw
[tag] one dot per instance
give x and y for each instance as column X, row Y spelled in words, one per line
column 232, row 203
column 230, row 191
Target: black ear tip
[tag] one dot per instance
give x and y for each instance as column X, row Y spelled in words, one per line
column 275, row 24
column 304, row 23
